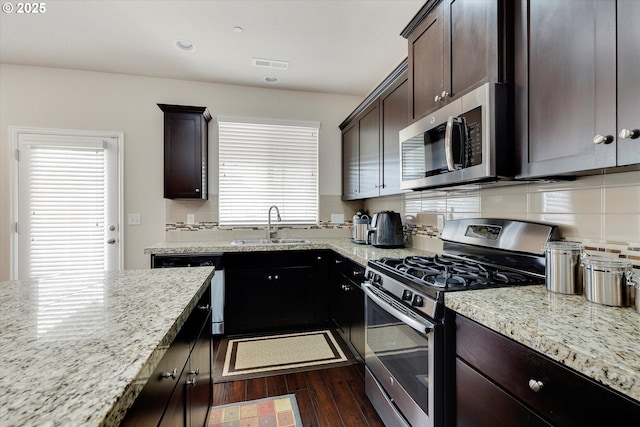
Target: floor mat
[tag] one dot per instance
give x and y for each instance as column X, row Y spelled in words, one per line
column 280, row 411
column 250, row 357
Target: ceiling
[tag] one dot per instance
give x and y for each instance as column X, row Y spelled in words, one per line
column 331, row 46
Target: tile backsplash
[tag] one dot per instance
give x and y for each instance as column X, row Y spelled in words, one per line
column 601, row 211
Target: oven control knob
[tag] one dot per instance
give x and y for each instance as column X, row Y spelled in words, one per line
column 377, row 279
column 407, row 295
column 418, row 301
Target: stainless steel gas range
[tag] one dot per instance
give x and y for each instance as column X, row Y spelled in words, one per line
column 405, row 353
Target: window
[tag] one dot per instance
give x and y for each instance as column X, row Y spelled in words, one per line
column 264, row 163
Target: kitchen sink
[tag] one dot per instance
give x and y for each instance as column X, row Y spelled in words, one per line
column 269, row 241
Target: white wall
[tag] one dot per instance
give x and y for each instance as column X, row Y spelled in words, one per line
column 67, row 99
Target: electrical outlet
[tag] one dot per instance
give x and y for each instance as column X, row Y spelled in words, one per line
column 337, row 218
column 440, row 222
column 191, row 219
column 134, row 219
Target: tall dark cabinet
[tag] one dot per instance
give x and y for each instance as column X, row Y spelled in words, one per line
column 370, row 146
column 455, row 46
column 185, row 151
column 577, row 85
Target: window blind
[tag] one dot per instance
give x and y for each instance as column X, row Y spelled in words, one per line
column 66, row 205
column 264, row 164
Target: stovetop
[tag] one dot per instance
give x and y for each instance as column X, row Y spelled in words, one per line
column 447, row 274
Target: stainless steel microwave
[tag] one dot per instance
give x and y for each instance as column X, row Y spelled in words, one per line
column 463, row 142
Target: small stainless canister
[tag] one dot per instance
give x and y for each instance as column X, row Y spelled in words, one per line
column 563, row 273
column 609, row 281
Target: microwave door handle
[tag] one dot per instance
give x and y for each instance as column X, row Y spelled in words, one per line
column 448, row 143
column 423, row 327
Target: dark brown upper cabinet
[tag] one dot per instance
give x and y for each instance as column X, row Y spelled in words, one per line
column 577, row 85
column 456, row 46
column 370, row 145
column 185, row 151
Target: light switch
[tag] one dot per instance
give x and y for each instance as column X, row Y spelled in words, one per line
column 134, row 219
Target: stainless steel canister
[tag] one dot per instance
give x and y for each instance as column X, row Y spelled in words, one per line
column 608, row 281
column 563, row 273
column 361, row 229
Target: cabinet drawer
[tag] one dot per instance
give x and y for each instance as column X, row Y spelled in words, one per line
column 350, row 270
column 481, row 403
column 564, row 394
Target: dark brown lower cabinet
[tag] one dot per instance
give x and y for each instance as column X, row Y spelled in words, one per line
column 500, row 382
column 347, row 303
column 179, row 391
column 275, row 291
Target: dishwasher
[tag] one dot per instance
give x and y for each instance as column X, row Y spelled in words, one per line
column 217, row 284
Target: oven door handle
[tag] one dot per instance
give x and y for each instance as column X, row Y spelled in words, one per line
column 424, row 327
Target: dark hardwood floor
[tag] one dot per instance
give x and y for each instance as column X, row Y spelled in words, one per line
column 330, row 397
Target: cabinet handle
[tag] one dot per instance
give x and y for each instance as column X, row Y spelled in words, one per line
column 629, row 134
column 602, row 139
column 172, row 374
column 319, row 258
column 197, row 190
column 536, row 385
column 203, row 307
column 274, row 277
column 196, row 372
column 444, row 94
column 356, row 273
column 191, row 382
column 339, row 261
column 438, row 98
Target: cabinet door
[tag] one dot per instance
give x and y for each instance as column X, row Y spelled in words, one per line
column 426, row 65
column 292, row 302
column 370, row 152
column 394, row 115
column 200, row 389
column 176, row 413
column 185, row 151
column 566, row 85
column 351, row 162
column 628, row 27
column 248, row 300
column 356, row 310
column 471, row 44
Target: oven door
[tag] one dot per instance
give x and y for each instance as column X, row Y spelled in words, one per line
column 400, row 359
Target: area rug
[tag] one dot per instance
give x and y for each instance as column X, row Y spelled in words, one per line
column 280, row 411
column 251, row 357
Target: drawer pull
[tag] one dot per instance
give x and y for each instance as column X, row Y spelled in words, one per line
column 536, row 385
column 195, row 372
column 191, row 382
column 169, row 374
column 203, row 307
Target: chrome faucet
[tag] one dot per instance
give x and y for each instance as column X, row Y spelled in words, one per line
column 269, row 220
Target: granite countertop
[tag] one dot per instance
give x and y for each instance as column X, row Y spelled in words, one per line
column 77, row 349
column 358, row 253
column 601, row 342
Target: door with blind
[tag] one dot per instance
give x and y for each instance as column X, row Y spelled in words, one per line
column 66, row 202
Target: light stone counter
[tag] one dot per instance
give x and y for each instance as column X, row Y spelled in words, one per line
column 358, row 253
column 601, row 342
column 77, row 350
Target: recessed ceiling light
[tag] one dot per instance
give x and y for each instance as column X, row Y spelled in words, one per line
column 185, row 45
column 271, row 80
column 238, row 29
